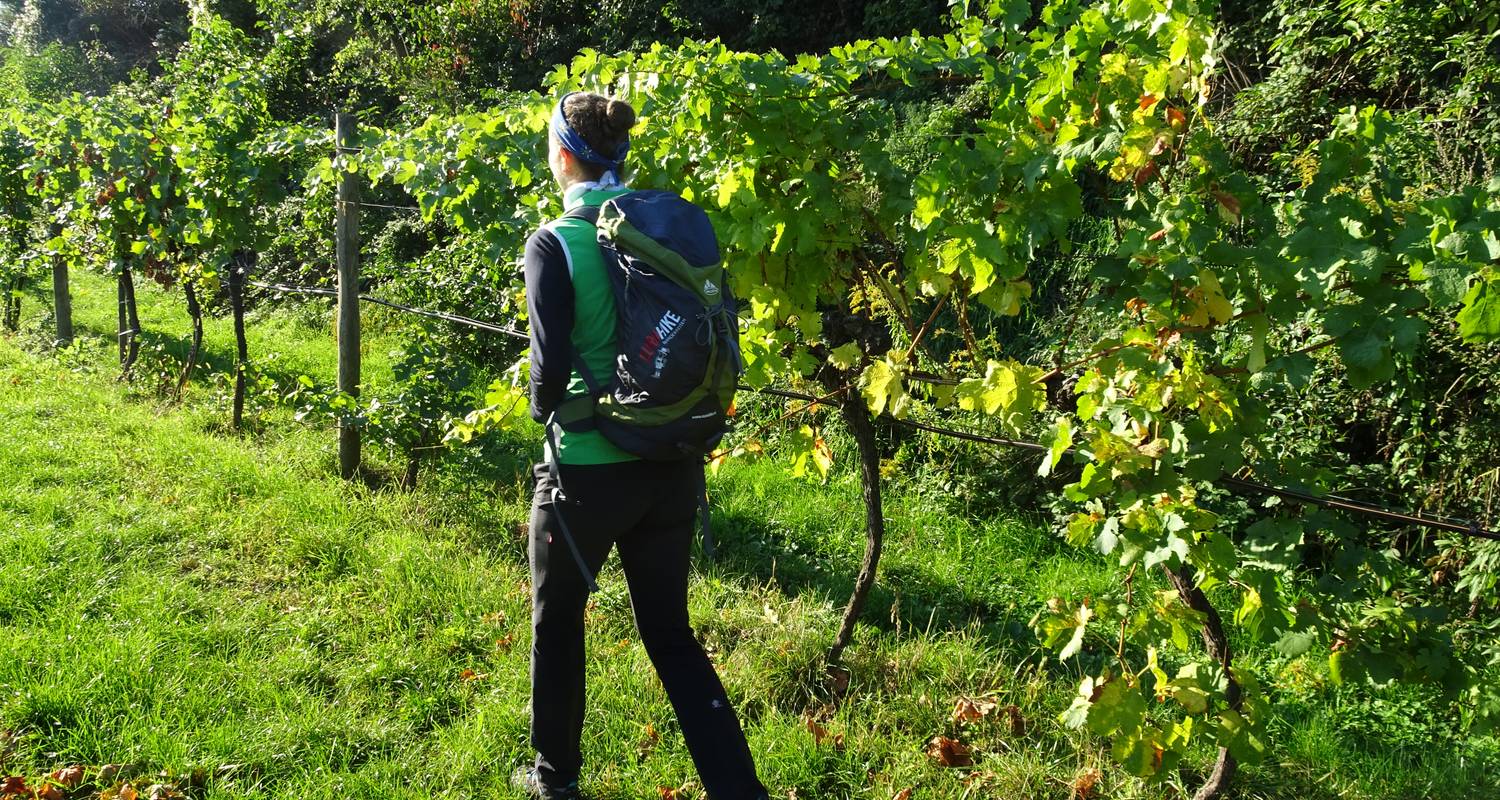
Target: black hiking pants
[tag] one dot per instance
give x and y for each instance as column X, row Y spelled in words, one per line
column 647, row 510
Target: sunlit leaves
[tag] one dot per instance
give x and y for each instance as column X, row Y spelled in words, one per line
column 1479, row 319
column 882, row 387
column 1009, row 391
column 808, row 450
column 1201, row 279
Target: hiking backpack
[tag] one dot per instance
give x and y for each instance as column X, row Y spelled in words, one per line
column 677, row 333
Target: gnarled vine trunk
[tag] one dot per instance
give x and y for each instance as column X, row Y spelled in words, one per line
column 1217, row 644
column 857, row 417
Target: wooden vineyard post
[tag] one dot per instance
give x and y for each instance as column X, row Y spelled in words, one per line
column 13, row 293
column 237, row 277
column 62, row 297
column 122, row 319
column 347, row 233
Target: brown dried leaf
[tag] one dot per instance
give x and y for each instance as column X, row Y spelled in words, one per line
column 128, row 792
column 838, row 681
column 979, row 779
column 1144, row 175
column 668, row 793
column 1084, row 783
column 469, row 676
column 819, row 733
column 1229, row 205
column 966, row 710
column 949, row 752
column 49, row 792
column 904, row 794
column 649, row 738
column 14, row 784
column 67, row 777
column 1017, row 722
column 504, row 644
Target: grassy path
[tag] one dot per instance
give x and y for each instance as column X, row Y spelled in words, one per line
column 222, row 609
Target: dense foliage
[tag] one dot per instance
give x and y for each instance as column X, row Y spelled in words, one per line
column 1227, row 273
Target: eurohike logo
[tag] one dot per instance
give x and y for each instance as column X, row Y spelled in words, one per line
column 666, row 328
column 710, row 288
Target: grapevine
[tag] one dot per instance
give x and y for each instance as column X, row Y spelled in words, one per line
column 1214, row 288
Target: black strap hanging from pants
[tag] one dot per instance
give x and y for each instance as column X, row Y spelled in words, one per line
column 646, row 511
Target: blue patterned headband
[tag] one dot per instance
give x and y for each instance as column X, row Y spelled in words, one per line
column 575, row 144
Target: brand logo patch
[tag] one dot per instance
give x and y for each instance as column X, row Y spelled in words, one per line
column 666, row 328
column 710, row 288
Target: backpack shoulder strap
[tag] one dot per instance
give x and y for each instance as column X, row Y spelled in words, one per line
column 589, row 214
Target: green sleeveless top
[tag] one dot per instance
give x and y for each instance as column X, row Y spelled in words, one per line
column 593, row 321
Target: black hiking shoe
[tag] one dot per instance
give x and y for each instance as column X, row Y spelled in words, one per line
column 529, row 781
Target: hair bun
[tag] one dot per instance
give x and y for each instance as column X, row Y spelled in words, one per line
column 621, row 118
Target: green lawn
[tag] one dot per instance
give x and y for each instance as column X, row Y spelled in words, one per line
column 222, row 609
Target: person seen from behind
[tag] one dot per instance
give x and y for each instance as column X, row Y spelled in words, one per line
column 592, row 496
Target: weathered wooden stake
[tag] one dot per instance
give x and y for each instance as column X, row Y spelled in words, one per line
column 347, row 233
column 195, row 311
column 62, row 298
column 237, row 277
column 132, row 324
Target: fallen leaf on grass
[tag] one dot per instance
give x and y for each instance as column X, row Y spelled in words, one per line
column 979, row 779
column 49, row 792
column 904, row 794
column 820, row 734
column 67, row 777
column 649, row 738
column 668, row 793
column 949, row 752
column 1084, row 783
column 838, row 681
column 469, row 675
column 503, row 645
column 13, row 785
column 966, row 710
column 1017, row 722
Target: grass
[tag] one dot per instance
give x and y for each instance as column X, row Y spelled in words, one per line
column 221, row 613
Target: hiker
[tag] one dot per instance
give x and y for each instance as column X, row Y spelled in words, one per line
column 592, row 495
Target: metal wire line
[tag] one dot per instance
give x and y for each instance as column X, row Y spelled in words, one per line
column 1240, row 485
column 442, row 315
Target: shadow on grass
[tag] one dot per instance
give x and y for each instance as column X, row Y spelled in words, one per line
column 904, row 597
